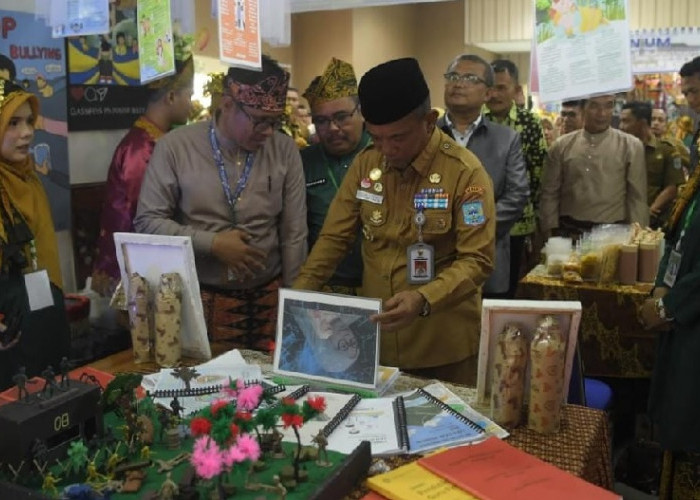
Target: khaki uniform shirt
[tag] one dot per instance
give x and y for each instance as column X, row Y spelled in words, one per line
column 664, row 167
column 463, row 248
column 598, row 178
column 182, row 195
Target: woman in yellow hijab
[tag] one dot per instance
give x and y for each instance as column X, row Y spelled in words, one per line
column 33, row 339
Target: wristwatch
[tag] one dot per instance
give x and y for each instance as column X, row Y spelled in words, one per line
column 426, row 309
column 661, row 310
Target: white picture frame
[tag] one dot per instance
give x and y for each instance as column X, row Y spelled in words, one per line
column 151, row 255
column 495, row 314
column 328, row 338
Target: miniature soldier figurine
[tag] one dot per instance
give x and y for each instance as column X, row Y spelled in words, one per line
column 65, row 367
column 168, row 490
column 50, row 384
column 176, row 407
column 20, row 379
column 49, row 485
column 164, row 420
column 186, row 374
column 322, row 442
column 279, row 488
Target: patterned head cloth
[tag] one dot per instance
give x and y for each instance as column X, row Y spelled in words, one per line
column 267, row 94
column 338, row 80
column 183, row 77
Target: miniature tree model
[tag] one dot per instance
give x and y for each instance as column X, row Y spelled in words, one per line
column 223, row 435
column 294, row 416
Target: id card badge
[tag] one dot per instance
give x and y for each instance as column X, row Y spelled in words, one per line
column 420, row 263
column 674, row 263
column 38, row 290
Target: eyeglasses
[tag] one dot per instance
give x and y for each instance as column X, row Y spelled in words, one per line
column 261, row 124
column 341, row 118
column 467, row 78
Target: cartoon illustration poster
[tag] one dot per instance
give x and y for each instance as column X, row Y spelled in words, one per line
column 155, row 35
column 36, row 60
column 239, row 33
column 104, row 74
column 582, row 48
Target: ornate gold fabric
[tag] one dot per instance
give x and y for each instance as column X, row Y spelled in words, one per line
column 612, row 342
column 680, row 476
column 338, row 80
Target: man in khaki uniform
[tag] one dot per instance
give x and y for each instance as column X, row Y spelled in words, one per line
column 663, row 162
column 413, row 182
column 659, row 127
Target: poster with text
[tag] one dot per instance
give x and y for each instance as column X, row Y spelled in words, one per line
column 104, row 77
column 79, row 17
column 239, row 33
column 33, row 58
column 582, row 48
column 157, row 56
column 663, row 50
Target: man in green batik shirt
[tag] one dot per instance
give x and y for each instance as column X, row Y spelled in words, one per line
column 501, row 108
column 340, row 128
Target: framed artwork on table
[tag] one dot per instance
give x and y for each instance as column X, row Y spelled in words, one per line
column 327, row 338
column 151, row 255
column 525, row 314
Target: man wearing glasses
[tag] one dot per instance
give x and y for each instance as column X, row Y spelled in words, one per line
column 340, row 130
column 468, row 83
column 236, row 187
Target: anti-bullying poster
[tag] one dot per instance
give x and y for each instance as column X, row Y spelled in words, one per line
column 30, row 56
column 104, row 74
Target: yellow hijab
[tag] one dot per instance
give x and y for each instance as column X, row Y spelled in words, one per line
column 21, row 190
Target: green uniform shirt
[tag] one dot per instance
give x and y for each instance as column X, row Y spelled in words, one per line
column 534, row 148
column 324, row 174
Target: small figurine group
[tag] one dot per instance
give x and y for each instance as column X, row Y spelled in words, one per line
column 50, row 384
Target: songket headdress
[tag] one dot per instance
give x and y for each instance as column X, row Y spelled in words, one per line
column 337, row 81
column 268, row 94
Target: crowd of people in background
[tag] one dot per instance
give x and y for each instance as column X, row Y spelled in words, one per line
column 364, row 188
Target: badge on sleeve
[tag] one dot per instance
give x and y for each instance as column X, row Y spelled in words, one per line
column 677, row 163
column 473, row 213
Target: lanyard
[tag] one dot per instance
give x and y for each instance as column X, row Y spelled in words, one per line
column 232, row 199
column 686, row 221
column 329, row 169
column 33, row 255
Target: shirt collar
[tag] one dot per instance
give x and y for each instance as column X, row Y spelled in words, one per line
column 511, row 117
column 422, row 162
column 471, row 127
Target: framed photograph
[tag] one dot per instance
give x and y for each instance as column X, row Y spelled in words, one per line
column 328, row 338
column 496, row 314
column 151, row 255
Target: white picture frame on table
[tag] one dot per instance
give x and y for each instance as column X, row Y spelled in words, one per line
column 496, row 314
column 328, row 338
column 151, row 255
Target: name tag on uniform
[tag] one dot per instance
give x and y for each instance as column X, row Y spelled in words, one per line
column 377, row 199
column 674, row 263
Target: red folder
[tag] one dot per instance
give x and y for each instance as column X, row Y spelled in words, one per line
column 495, row 470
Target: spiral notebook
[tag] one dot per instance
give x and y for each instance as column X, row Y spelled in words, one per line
column 428, row 423
column 338, row 406
column 412, row 423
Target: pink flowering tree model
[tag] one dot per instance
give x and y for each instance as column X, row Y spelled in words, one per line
column 224, row 436
column 294, row 416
